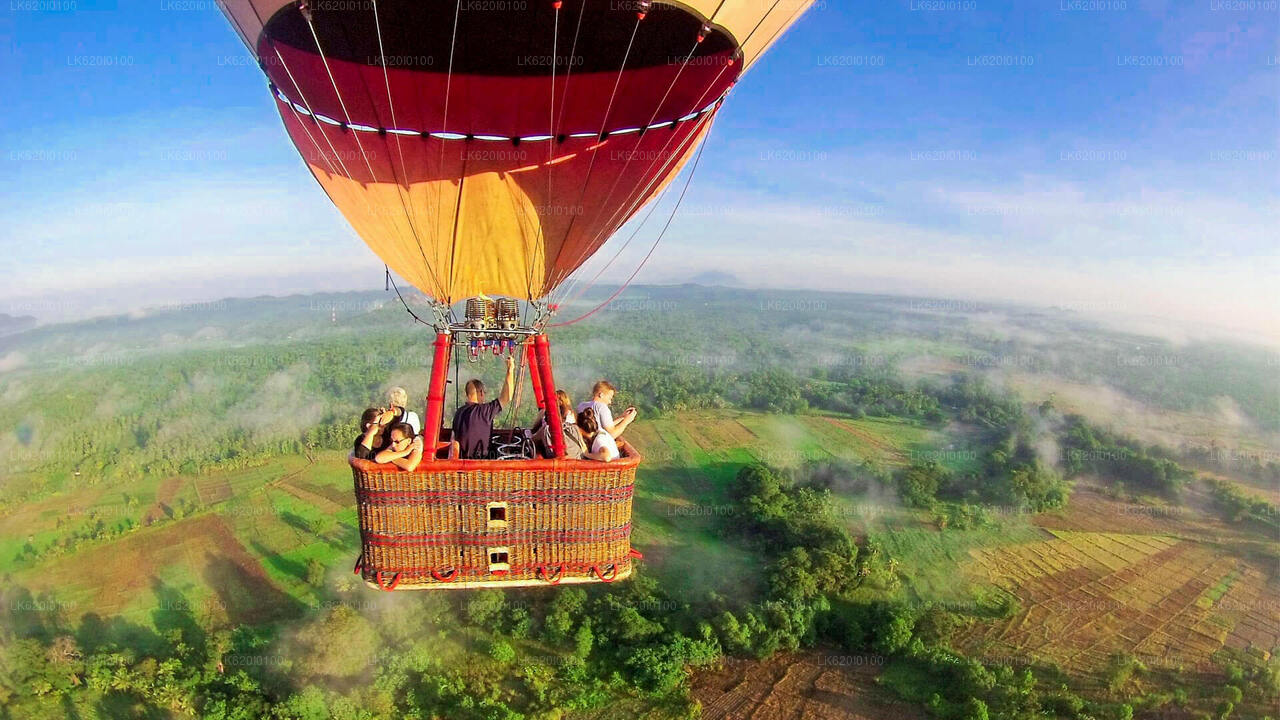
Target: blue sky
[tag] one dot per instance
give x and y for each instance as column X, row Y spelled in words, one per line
column 1115, row 156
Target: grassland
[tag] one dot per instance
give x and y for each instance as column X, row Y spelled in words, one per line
column 243, row 547
column 268, row 544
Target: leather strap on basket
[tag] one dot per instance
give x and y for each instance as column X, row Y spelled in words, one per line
column 359, row 565
column 551, row 579
column 395, row 580
column 635, row 554
column 614, row 576
column 446, row 577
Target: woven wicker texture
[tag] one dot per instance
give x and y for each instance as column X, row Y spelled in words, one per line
column 448, row 523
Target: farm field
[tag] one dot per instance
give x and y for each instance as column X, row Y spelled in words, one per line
column 237, row 546
column 823, row 685
column 1097, row 578
column 1164, row 588
column 1100, row 577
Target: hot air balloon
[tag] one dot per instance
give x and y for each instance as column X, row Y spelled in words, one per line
column 484, row 150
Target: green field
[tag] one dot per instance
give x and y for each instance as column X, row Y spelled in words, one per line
column 290, row 514
column 145, row 554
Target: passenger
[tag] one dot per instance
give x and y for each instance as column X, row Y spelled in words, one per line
column 574, row 446
column 404, row 448
column 473, row 423
column 399, row 402
column 603, row 447
column 601, row 396
column 372, row 436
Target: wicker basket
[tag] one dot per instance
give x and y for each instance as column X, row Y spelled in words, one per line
column 495, row 523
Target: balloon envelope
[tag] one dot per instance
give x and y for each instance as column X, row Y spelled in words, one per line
column 492, row 146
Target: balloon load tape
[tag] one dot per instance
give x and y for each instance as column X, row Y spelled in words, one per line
column 491, row 325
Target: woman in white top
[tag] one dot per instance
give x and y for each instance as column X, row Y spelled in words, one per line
column 399, row 404
column 603, row 447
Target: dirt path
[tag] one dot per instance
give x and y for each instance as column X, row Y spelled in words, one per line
column 163, row 507
column 822, row 685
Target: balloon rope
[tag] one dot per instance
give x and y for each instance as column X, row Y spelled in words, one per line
column 631, row 207
column 402, row 301
column 697, row 159
column 336, row 155
column 568, row 73
column 444, row 127
column 604, row 123
column 341, row 102
column 693, row 137
column 586, row 248
column 657, row 108
column 551, row 145
column 404, row 167
column 669, row 160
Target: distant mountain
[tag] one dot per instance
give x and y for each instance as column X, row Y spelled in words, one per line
column 10, row 324
column 715, row 278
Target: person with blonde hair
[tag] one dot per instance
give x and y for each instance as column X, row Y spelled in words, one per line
column 399, row 403
column 601, row 395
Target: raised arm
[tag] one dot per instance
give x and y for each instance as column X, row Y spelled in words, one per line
column 508, row 385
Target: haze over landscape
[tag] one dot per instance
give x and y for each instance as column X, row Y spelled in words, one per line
column 956, row 369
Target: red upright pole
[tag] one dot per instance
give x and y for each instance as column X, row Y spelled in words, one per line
column 435, row 396
column 535, row 375
column 543, row 349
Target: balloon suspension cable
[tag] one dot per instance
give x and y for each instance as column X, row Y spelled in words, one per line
column 602, row 134
column 575, row 289
column 639, row 199
column 352, row 126
column 619, row 216
column 442, row 322
column 400, row 190
column 688, row 179
column 607, row 228
column 539, row 243
column 513, row 413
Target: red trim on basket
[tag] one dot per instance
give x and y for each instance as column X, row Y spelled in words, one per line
column 629, row 460
column 463, row 538
column 359, row 565
column 472, row 571
column 618, row 493
column 395, row 580
column 635, row 554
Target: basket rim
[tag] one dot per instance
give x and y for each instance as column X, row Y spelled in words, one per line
column 630, row 459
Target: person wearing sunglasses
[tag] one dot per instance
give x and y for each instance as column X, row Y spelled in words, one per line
column 404, row 448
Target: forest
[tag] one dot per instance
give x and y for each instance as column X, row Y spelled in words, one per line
column 114, row 408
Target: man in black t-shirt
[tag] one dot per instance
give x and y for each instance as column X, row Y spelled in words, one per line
column 473, row 423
